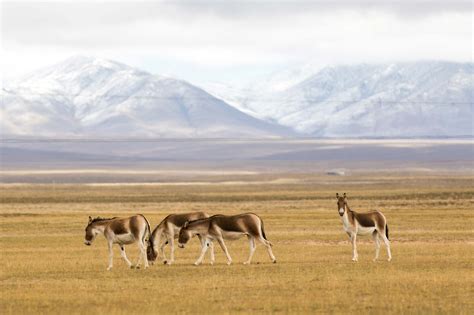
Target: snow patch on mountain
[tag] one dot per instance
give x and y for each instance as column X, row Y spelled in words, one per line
column 427, row 98
column 92, row 97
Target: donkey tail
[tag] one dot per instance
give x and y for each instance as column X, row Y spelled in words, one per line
column 148, row 231
column 263, row 232
column 386, row 231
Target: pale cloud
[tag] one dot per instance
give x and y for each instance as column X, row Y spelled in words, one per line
column 220, row 36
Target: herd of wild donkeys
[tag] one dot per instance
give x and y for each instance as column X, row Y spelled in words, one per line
column 136, row 229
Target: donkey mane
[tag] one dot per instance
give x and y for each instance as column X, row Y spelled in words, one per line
column 99, row 219
column 202, row 219
column 217, row 215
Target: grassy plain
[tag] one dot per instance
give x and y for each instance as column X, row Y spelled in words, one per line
column 45, row 267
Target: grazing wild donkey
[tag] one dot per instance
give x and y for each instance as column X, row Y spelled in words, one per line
column 168, row 229
column 354, row 224
column 121, row 231
column 220, row 227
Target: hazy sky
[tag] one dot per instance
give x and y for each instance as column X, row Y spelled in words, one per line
column 232, row 40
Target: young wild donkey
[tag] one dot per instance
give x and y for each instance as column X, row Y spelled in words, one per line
column 220, row 227
column 121, row 231
column 168, row 229
column 355, row 223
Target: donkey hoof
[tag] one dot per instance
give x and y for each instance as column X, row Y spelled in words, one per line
column 389, row 259
column 132, row 267
column 246, row 263
column 165, row 262
column 275, row 261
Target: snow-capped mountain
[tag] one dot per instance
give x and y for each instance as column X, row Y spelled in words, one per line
column 247, row 97
column 91, row 97
column 384, row 100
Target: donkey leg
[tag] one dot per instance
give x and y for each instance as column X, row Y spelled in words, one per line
column 142, row 246
column 202, row 241
column 224, row 248
column 162, row 251
column 376, row 238
column 171, row 240
column 170, row 236
column 210, row 244
column 252, row 249
column 203, row 251
column 140, row 257
column 124, row 256
column 111, row 256
column 387, row 245
column 268, row 245
column 355, row 256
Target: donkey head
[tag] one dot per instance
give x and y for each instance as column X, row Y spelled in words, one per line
column 341, row 203
column 91, row 231
column 184, row 235
column 151, row 253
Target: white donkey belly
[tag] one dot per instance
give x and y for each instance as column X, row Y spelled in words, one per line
column 228, row 235
column 124, row 238
column 347, row 229
column 362, row 230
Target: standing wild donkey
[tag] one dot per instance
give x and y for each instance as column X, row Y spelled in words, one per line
column 121, row 231
column 169, row 230
column 220, row 227
column 354, row 224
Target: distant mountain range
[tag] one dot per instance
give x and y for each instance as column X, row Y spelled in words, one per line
column 417, row 99
column 91, row 97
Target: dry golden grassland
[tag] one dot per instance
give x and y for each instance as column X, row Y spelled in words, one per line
column 46, row 268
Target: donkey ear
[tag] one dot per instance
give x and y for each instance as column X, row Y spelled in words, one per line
column 337, row 195
column 344, row 195
column 90, row 219
column 185, row 224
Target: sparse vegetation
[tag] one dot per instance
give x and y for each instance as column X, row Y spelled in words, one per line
column 45, row 268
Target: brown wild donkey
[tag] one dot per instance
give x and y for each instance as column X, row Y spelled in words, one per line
column 370, row 223
column 167, row 231
column 121, row 231
column 220, row 227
